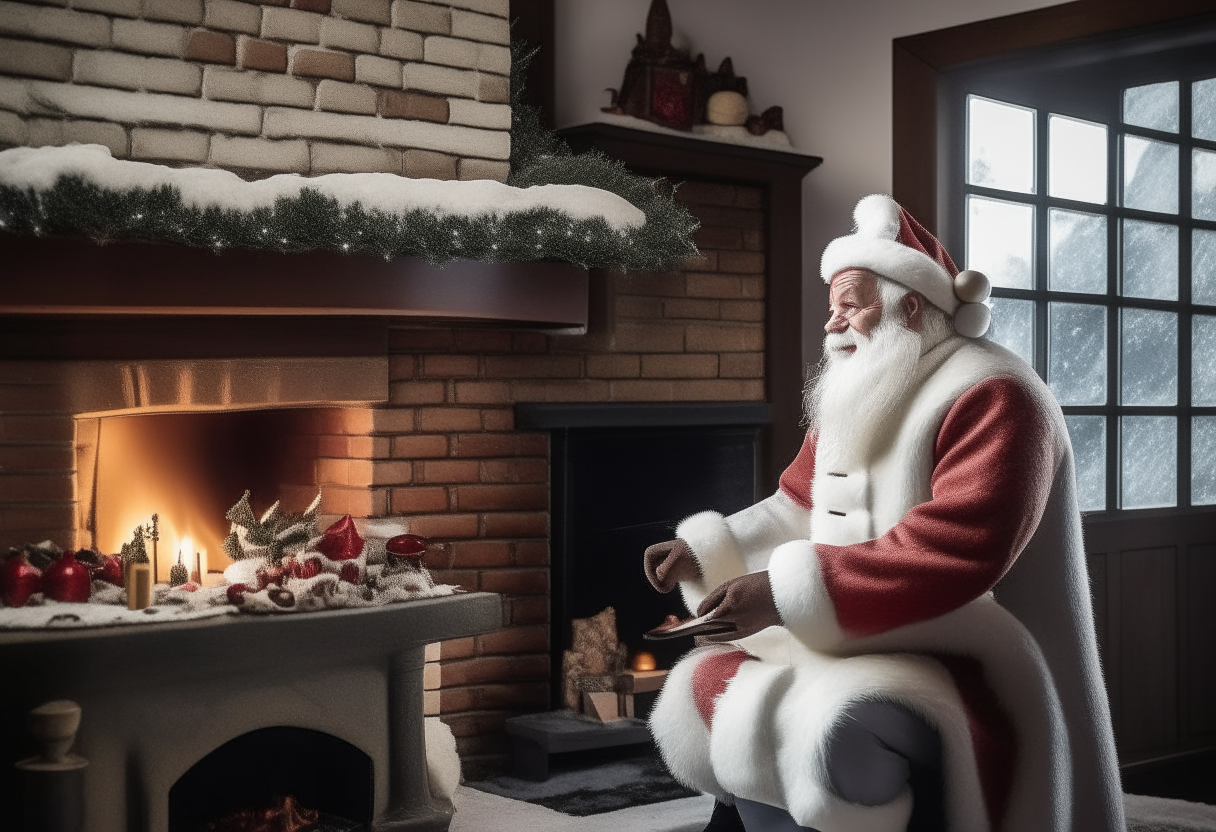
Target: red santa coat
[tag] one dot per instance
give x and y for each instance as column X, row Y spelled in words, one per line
column 883, row 570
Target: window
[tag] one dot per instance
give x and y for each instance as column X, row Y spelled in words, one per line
column 1093, row 212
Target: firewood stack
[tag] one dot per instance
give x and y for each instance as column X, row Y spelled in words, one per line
column 596, row 678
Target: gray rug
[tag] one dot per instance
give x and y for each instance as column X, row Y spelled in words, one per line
column 637, row 780
column 1163, row 814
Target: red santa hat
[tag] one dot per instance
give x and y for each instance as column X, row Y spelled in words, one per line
column 890, row 242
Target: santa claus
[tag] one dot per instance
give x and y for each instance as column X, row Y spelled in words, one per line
column 910, row 641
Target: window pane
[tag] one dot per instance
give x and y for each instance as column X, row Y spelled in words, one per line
column 1077, row 160
column 1149, row 461
column 1077, row 260
column 1000, row 241
column 1000, row 145
column 1150, row 357
column 1203, row 461
column 1154, row 106
column 1203, row 184
column 1076, row 352
column 1088, row 437
column 1150, row 260
column 1203, row 266
column 1150, row 175
column 1203, row 360
column 1203, row 109
column 1013, row 326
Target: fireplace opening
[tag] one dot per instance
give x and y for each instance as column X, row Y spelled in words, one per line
column 189, row 469
column 616, row 491
column 265, row 768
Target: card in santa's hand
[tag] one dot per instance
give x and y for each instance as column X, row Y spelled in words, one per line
column 702, row 625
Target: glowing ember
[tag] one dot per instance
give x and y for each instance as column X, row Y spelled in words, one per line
column 284, row 815
column 643, row 661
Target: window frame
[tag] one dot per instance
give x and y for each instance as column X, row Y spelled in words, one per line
column 1105, row 70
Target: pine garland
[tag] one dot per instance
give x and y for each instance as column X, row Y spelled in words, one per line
column 313, row 221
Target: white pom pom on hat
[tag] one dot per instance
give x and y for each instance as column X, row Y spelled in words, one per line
column 890, row 242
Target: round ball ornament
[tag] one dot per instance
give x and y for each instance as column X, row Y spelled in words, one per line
column 67, row 580
column 407, row 547
column 726, row 107
column 971, row 286
column 19, row 579
column 971, row 320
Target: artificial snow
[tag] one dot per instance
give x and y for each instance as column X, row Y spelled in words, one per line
column 40, row 168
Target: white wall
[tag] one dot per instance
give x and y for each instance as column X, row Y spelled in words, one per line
column 826, row 62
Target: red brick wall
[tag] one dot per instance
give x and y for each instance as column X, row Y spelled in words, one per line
column 461, row 472
column 443, row 452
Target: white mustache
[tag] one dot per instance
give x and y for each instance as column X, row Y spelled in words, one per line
column 840, row 340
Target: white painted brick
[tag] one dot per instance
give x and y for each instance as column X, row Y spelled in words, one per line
column 368, row 130
column 422, row 17
column 368, row 11
column 259, row 154
column 480, row 27
column 430, row 703
column 346, row 158
column 440, row 80
column 291, row 24
column 451, row 52
column 337, row 97
column 346, row 34
column 222, row 84
column 498, row 8
column 98, row 132
column 483, row 169
column 121, row 8
column 131, row 72
column 232, row 16
column 33, row 59
column 491, row 58
column 431, row 653
column 430, row 676
column 150, row 38
column 12, row 129
column 60, row 25
column 176, row 11
column 44, row 132
column 477, row 114
column 398, row 43
column 383, row 72
column 169, row 145
column 49, row 98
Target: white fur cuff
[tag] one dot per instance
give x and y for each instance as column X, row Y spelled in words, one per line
column 802, row 596
column 717, row 553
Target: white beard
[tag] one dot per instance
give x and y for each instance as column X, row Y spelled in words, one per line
column 852, row 396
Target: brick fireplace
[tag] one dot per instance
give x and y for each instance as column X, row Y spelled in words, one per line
column 397, row 393
column 419, row 424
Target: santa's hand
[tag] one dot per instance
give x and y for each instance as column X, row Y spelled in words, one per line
column 670, row 562
column 747, row 602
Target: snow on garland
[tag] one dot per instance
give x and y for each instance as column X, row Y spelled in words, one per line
column 81, row 189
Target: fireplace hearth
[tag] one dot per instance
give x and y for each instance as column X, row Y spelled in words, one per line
column 159, row 701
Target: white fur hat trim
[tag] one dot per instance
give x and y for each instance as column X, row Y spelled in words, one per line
column 874, row 246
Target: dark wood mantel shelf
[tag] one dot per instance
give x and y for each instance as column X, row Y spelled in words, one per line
column 69, row 277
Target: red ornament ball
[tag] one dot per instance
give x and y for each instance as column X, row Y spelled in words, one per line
column 19, row 580
column 67, row 580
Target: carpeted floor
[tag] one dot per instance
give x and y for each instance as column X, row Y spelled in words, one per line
column 621, row 781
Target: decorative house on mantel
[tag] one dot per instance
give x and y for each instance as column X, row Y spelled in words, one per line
column 396, row 390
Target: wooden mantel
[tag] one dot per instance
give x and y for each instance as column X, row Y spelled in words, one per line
column 50, row 276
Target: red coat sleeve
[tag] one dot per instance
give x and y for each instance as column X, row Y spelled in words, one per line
column 797, row 478
column 994, row 463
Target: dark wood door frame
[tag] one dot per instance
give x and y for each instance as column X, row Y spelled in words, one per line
column 918, row 60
